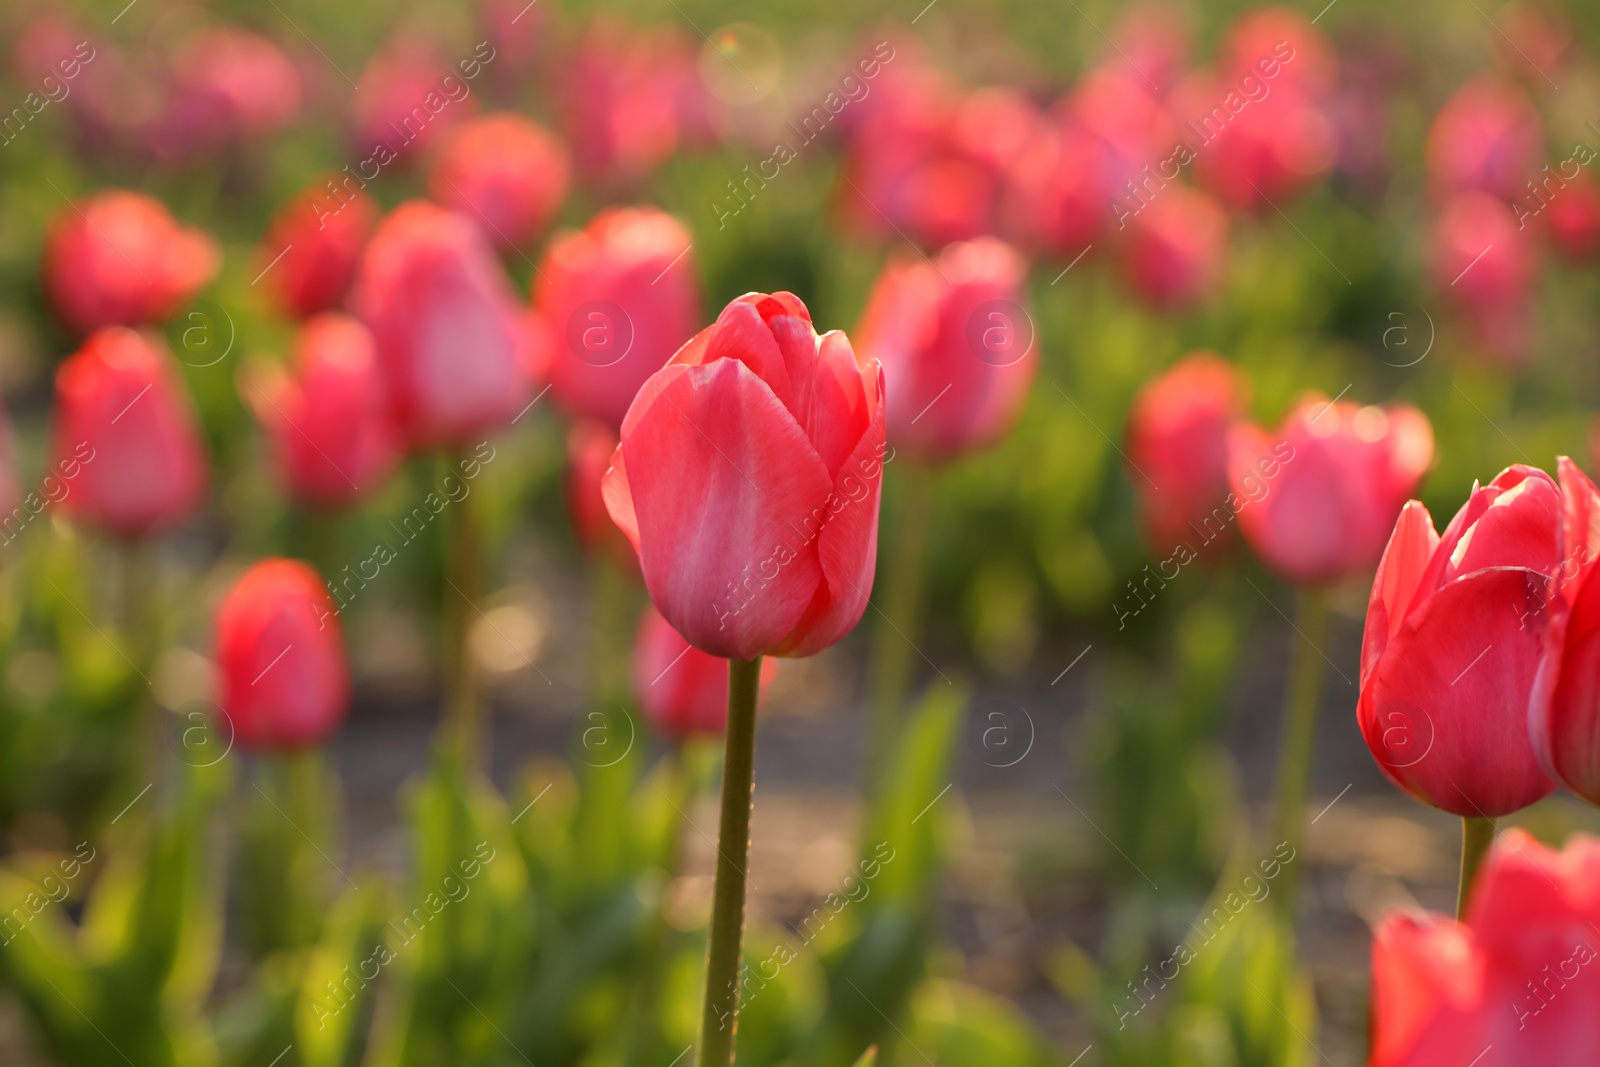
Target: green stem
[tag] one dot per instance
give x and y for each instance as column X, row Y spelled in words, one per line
column 1476, row 836
column 720, row 1018
column 893, row 643
column 1299, row 737
column 135, row 559
column 463, row 571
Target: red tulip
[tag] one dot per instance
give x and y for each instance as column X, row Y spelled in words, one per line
column 1573, row 215
column 1343, row 474
column 684, row 691
column 1511, row 985
column 617, row 113
column 124, row 423
column 748, row 481
column 504, row 172
column 1156, row 39
column 621, row 296
column 1455, row 631
column 285, row 684
column 1284, row 34
column 1270, row 151
column 309, row 255
column 1486, row 139
column 119, row 258
column 1172, row 251
column 329, row 421
column 454, row 345
column 956, row 345
column 590, row 446
column 1057, row 191
column 1486, row 266
column 1178, row 447
column 1564, row 714
column 408, row 96
column 225, row 84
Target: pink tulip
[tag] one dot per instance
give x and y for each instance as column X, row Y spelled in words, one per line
column 1486, row 266
column 328, row 419
column 683, row 690
column 453, row 344
column 226, row 84
column 1056, row 193
column 1172, row 253
column 621, row 296
column 619, row 112
column 285, row 683
column 748, row 480
column 590, row 446
column 1270, row 151
column 1154, row 39
column 956, row 345
column 408, row 97
column 309, row 255
column 124, row 425
column 119, row 258
column 1573, row 219
column 504, row 172
column 1510, row 986
column 1486, row 139
column 1456, row 628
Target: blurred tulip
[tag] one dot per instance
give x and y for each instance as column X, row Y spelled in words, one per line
column 618, row 112
column 125, row 425
column 1172, row 252
column 590, row 446
column 683, row 691
column 308, row 257
column 1178, row 447
column 505, row 172
column 408, row 96
column 1493, row 991
column 1321, row 494
column 1304, row 60
column 453, row 344
column 120, row 258
column 328, row 419
column 956, row 345
column 620, row 297
column 748, row 480
column 1486, row 266
column 518, row 32
column 1154, row 39
column 1486, row 139
column 285, row 685
column 1573, row 219
column 1455, row 631
column 1270, row 151
column 1056, row 194
column 1533, row 41
column 225, row 84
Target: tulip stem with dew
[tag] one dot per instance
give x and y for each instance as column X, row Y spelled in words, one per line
column 1477, row 834
column 719, row 1021
column 893, row 646
column 463, row 572
column 1299, row 737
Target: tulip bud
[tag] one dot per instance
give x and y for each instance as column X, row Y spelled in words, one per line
column 329, row 421
column 1486, row 139
column 748, row 480
column 1456, row 628
column 1486, row 265
column 309, row 255
column 504, row 172
column 1172, row 252
column 124, row 424
column 1318, row 499
column 451, row 339
column 956, row 345
column 590, row 446
column 280, row 653
column 119, row 258
column 621, row 297
column 1178, row 448
column 684, row 691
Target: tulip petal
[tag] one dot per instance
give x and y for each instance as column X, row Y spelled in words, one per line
column 618, row 495
column 1564, row 711
column 740, row 334
column 1426, row 978
column 1399, row 575
column 1518, row 524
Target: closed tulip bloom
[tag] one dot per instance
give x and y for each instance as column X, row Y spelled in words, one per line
column 1456, row 628
column 452, row 341
column 1486, row 265
column 125, row 424
column 504, row 171
column 119, row 258
column 956, row 345
column 285, row 683
column 683, row 691
column 1178, row 446
column 748, row 480
column 328, row 418
column 620, row 297
column 1172, row 253
column 1486, row 139
column 309, row 255
column 1510, row 986
column 590, row 446
column 1323, row 511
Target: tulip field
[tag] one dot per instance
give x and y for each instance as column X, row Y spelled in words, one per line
column 668, row 533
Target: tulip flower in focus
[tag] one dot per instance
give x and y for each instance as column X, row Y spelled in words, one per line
column 328, row 419
column 748, row 481
column 452, row 341
column 1178, row 446
column 1456, row 629
column 505, row 172
column 1486, row 266
column 120, row 258
column 620, row 296
column 590, row 445
column 1321, row 495
column 684, row 691
column 1511, row 985
column 309, row 255
column 1486, row 139
column 956, row 345
column 284, row 681
column 1172, row 253
column 124, row 425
